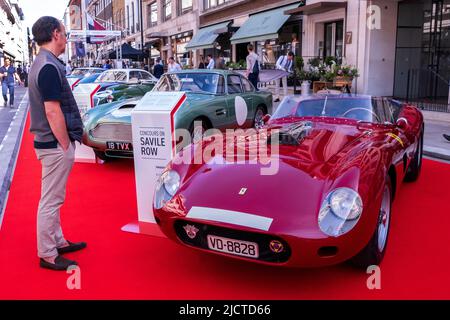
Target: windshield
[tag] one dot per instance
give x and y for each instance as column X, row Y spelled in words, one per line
column 112, row 76
column 191, row 82
column 83, row 72
column 89, row 79
column 361, row 109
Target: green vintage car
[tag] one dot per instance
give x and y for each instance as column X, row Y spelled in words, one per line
column 215, row 99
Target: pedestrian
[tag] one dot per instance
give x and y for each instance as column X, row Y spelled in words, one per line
column 8, row 76
column 220, row 62
column 68, row 68
column 107, row 65
column 211, row 64
column 26, row 70
column 173, row 66
column 202, row 65
column 252, row 72
column 285, row 63
column 158, row 69
column 56, row 125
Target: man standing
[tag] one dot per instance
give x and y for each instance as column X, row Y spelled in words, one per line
column 8, row 75
column 252, row 72
column 284, row 63
column 107, row 65
column 158, row 69
column 211, row 64
column 173, row 66
column 56, row 125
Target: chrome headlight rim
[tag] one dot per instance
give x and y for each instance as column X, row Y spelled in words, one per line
column 166, row 187
column 334, row 223
column 333, row 200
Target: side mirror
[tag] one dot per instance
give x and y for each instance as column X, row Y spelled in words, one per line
column 266, row 118
column 402, row 123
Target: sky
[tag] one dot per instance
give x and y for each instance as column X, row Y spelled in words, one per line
column 34, row 9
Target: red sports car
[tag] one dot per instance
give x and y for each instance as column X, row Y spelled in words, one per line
column 341, row 158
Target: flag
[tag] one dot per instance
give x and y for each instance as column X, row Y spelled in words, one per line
column 94, row 25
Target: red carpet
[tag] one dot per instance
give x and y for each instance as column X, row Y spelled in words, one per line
column 119, row 265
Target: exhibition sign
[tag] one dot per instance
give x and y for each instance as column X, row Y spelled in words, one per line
column 153, row 130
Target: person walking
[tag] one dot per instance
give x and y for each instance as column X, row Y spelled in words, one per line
column 211, row 64
column 173, row 66
column 252, row 72
column 56, row 125
column 285, row 63
column 158, row 69
column 8, row 76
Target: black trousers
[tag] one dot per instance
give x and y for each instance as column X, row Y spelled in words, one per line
column 253, row 78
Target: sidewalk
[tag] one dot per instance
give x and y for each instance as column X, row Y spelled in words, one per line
column 10, row 138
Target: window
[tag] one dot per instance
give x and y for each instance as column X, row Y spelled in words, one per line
column 167, row 9
column 234, row 84
column 128, row 18
column 152, row 15
column 135, row 76
column 184, row 6
column 334, row 40
column 132, row 20
column 209, row 4
column 248, row 87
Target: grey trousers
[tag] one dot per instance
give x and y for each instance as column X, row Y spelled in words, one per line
column 283, row 80
column 56, row 166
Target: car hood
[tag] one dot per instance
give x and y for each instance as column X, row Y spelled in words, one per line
column 291, row 193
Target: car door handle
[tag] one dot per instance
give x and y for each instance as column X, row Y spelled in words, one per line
column 221, row 112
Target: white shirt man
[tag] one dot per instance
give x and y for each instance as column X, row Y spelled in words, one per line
column 211, row 63
column 68, row 69
column 284, row 63
column 172, row 66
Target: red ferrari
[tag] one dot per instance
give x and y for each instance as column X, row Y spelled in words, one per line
column 341, row 161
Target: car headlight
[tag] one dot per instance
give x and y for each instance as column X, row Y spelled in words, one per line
column 166, row 187
column 340, row 211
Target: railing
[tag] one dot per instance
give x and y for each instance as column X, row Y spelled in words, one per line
column 428, row 90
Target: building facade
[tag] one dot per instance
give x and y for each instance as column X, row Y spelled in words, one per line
column 169, row 26
column 13, row 34
column 400, row 47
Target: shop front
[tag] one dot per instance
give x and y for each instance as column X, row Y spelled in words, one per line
column 274, row 33
column 180, row 52
column 213, row 40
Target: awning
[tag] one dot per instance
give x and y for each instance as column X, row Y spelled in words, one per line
column 205, row 37
column 318, row 7
column 262, row 26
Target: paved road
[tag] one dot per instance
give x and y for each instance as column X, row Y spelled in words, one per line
column 7, row 114
column 434, row 140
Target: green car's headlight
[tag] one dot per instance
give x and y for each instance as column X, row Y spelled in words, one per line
column 340, row 211
column 166, row 187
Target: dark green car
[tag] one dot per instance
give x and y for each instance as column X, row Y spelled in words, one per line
column 215, row 99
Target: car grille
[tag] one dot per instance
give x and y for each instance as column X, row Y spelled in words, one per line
column 112, row 132
column 263, row 240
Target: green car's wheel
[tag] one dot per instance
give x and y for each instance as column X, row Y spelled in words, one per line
column 258, row 122
column 197, row 129
column 101, row 155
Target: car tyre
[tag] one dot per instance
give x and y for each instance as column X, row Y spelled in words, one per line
column 374, row 251
column 197, row 130
column 413, row 171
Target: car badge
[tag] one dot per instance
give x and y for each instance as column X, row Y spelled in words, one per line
column 242, row 191
column 276, row 246
column 191, row 231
